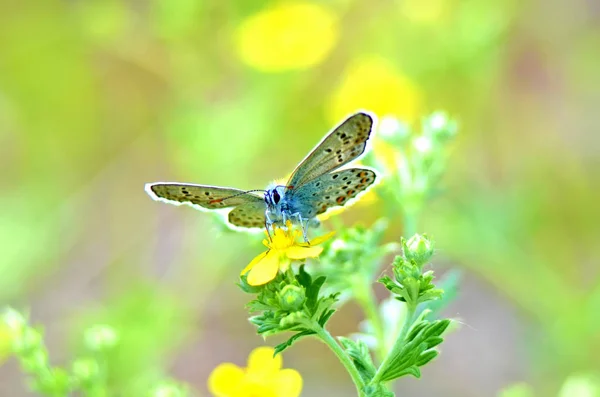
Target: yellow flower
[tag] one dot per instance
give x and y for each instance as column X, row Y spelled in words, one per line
column 262, row 378
column 374, row 84
column 290, row 35
column 283, row 247
column 6, row 339
column 426, row 11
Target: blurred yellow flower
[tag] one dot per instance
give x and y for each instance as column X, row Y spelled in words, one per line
column 262, row 378
column 6, row 339
column 374, row 84
column 425, row 11
column 290, row 35
column 283, row 247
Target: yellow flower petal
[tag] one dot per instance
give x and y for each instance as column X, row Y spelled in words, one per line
column 258, row 389
column 290, row 35
column 253, row 262
column 288, row 383
column 262, row 363
column 6, row 338
column 301, row 252
column 321, row 239
column 225, row 380
column 264, row 269
column 375, row 84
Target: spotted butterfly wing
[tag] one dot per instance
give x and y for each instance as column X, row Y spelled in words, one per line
column 331, row 190
column 344, row 144
column 250, row 215
column 249, row 211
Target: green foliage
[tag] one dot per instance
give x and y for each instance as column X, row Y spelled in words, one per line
column 87, row 375
column 354, row 257
column 414, row 171
column 361, row 357
column 290, row 306
column 414, row 351
column 410, row 284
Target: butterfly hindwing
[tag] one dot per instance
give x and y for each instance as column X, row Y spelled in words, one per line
column 208, row 197
column 344, row 144
column 331, row 190
column 248, row 215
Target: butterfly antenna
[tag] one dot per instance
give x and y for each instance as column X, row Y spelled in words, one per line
column 235, row 195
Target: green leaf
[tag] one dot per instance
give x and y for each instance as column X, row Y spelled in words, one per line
column 304, row 278
column 359, row 353
column 426, row 357
column 312, row 293
column 325, row 317
column 282, row 346
column 417, row 349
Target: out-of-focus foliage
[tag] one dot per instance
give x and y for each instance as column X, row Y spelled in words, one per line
column 99, row 97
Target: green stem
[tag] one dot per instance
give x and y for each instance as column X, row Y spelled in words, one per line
column 365, row 297
column 409, row 221
column 398, row 345
column 329, row 340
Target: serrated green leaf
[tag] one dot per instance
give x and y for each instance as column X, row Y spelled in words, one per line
column 325, row 317
column 426, row 357
column 416, row 329
column 359, row 353
column 434, row 341
column 312, row 294
column 282, row 346
column 438, row 327
column 304, row 278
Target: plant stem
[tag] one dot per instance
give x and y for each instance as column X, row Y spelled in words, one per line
column 398, row 345
column 326, row 338
column 366, row 299
column 409, row 221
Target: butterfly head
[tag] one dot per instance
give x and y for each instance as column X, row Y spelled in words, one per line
column 274, row 198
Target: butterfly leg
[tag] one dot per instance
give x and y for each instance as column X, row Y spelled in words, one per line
column 303, row 224
column 268, row 225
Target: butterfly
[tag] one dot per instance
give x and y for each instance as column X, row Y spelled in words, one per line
column 314, row 187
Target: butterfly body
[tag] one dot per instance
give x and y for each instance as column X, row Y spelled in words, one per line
column 315, row 186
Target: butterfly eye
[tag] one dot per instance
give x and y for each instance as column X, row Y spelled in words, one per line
column 276, row 197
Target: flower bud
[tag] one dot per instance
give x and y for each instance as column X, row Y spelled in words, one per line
column 14, row 320
column 86, row 369
column 35, row 360
column 418, row 249
column 440, row 127
column 392, row 131
column 168, row 389
column 291, row 298
column 28, row 341
column 100, row 337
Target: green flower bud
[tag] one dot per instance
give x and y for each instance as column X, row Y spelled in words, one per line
column 418, row 249
column 28, row 341
column 35, row 361
column 14, row 320
column 291, row 298
column 86, row 370
column 100, row 337
column 168, row 390
column 440, row 127
column 393, row 131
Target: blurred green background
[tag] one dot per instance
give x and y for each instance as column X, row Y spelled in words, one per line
column 99, row 97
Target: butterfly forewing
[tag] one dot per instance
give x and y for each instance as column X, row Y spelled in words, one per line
column 344, row 144
column 209, row 197
column 332, row 190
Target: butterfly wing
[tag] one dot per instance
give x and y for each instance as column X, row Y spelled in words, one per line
column 201, row 196
column 330, row 190
column 344, row 144
column 248, row 215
